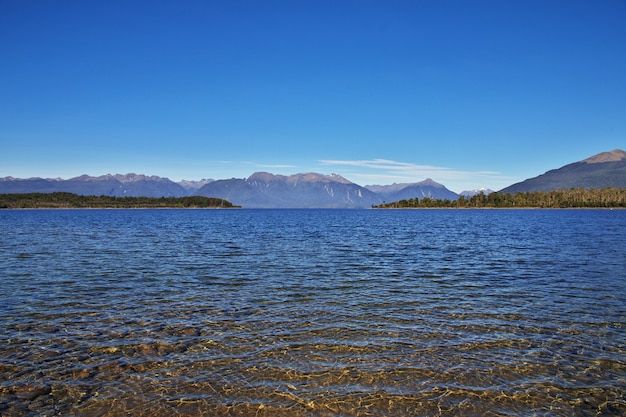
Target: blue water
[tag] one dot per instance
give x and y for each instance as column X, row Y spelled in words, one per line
column 312, row 312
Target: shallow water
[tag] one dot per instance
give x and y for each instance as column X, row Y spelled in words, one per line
column 313, row 312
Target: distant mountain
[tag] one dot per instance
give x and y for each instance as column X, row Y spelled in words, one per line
column 607, row 169
column 10, row 185
column 419, row 190
column 310, row 190
column 192, row 186
column 260, row 190
column 141, row 185
column 471, row 193
column 129, row 185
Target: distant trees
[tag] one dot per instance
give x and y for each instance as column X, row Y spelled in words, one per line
column 572, row 198
column 69, row 200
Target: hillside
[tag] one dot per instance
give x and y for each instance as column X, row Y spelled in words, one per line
column 604, row 170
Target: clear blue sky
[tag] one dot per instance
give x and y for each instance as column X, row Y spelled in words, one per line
column 469, row 93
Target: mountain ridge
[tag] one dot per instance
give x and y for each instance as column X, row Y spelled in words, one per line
column 114, row 185
column 306, row 190
column 315, row 190
column 612, row 156
column 606, row 169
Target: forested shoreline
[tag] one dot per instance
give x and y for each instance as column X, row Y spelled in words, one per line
column 572, row 198
column 69, row 200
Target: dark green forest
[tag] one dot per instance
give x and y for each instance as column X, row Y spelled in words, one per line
column 572, row 198
column 69, row 200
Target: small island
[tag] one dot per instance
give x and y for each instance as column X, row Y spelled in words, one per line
column 572, row 198
column 70, row 200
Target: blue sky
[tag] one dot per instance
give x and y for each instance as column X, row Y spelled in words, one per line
column 469, row 93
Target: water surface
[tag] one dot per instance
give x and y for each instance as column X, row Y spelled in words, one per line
column 312, row 312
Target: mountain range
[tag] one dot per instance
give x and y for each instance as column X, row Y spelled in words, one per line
column 260, row 190
column 313, row 190
column 129, row 185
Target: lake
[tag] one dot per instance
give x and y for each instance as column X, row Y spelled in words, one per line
column 312, row 312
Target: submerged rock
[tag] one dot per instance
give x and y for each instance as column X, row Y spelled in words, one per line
column 30, row 392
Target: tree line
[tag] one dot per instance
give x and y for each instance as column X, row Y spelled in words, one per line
column 70, row 200
column 572, row 198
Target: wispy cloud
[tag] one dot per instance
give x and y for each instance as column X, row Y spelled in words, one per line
column 379, row 171
column 387, row 165
column 384, row 169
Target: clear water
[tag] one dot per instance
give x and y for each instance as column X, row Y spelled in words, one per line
column 312, row 312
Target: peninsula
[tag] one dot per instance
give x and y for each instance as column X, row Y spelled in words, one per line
column 69, row 200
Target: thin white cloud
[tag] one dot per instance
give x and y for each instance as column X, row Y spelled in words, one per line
column 378, row 171
column 397, row 171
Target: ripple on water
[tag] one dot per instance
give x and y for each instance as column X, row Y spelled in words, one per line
column 309, row 313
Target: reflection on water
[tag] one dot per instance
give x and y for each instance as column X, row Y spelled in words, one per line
column 313, row 313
